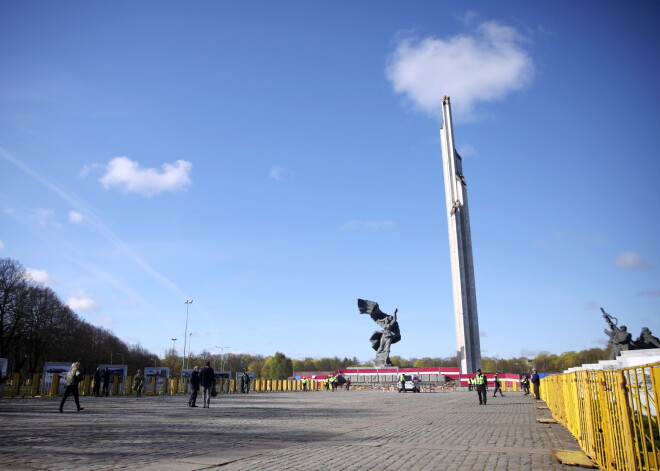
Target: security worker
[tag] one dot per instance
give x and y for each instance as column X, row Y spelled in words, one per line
column 402, row 383
column 524, row 382
column 480, row 381
column 496, row 382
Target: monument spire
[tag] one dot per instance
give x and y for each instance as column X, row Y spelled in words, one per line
column 468, row 347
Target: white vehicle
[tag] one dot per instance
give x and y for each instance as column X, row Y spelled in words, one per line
column 411, row 384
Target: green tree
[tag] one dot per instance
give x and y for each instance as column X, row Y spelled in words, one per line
column 277, row 367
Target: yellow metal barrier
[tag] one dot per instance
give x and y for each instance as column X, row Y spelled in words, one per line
column 613, row 414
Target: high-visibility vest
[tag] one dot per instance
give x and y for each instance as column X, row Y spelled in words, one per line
column 496, row 378
column 402, row 377
column 480, row 379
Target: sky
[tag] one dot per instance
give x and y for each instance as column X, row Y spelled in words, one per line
column 276, row 161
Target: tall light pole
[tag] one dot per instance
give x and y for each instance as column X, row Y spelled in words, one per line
column 188, row 303
column 174, row 347
column 222, row 358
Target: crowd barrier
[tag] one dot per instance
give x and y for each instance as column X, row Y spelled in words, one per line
column 613, row 414
column 33, row 385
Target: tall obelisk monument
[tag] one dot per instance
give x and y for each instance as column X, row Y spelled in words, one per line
column 468, row 347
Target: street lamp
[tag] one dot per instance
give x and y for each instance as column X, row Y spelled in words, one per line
column 154, row 360
column 188, row 303
column 174, row 347
column 222, row 360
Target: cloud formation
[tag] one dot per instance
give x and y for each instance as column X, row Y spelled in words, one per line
column 372, row 225
column 280, row 173
column 75, row 217
column 479, row 68
column 82, row 302
column 631, row 261
column 649, row 292
column 126, row 174
column 39, row 276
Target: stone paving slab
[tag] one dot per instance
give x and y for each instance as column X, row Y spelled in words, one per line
column 349, row 430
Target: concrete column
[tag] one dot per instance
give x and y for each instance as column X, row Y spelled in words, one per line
column 468, row 347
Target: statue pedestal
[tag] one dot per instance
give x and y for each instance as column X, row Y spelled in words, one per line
column 627, row 359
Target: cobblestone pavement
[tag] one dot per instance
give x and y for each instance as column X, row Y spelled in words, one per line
column 354, row 430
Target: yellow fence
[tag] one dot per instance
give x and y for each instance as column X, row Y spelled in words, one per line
column 613, row 414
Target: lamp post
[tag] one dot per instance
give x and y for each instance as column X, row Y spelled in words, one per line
column 188, row 303
column 154, row 360
column 111, row 358
column 174, row 347
column 222, row 358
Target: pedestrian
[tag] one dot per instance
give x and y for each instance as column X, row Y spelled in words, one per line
column 470, row 380
column 73, row 377
column 402, row 383
column 97, row 382
column 106, row 381
column 525, row 384
column 194, row 386
column 247, row 383
column 207, row 381
column 348, row 384
column 496, row 382
column 480, row 381
column 138, row 384
column 536, row 381
column 304, row 384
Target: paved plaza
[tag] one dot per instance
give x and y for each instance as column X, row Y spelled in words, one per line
column 354, row 430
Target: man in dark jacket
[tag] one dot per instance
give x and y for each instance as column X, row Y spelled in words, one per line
column 536, row 382
column 106, row 381
column 207, row 380
column 194, row 386
column 97, row 382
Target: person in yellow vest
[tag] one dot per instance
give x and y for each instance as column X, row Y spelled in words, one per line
column 524, row 382
column 402, row 383
column 480, row 381
column 496, row 382
column 470, row 380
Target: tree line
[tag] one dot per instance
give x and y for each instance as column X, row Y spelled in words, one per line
column 37, row 327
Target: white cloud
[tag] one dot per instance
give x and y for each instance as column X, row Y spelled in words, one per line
column 87, row 169
column 2, row 245
column 82, row 302
column 649, row 292
column 75, row 217
column 631, row 261
column 373, row 225
column 280, row 173
column 479, row 68
column 126, row 174
column 39, row 276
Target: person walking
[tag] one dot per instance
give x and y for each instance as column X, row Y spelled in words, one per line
column 138, row 383
column 207, row 381
column 97, row 382
column 194, row 386
column 525, row 384
column 480, row 381
column 73, row 377
column 247, row 383
column 402, row 383
column 498, row 386
column 536, row 382
column 106, row 381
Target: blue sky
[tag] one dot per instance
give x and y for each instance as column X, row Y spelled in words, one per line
column 275, row 161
